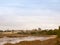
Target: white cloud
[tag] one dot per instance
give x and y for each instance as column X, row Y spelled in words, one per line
column 17, row 18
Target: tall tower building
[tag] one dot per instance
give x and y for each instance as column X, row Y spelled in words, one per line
column 59, row 27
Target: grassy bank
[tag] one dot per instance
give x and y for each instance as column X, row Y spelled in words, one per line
column 12, row 35
column 20, row 35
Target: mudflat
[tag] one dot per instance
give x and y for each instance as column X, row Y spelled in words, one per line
column 36, row 42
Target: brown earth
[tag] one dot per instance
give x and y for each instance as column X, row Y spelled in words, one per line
column 12, row 35
column 19, row 35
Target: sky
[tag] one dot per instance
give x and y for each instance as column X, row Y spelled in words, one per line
column 29, row 14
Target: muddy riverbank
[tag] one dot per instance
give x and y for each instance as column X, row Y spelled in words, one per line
column 31, row 40
column 36, row 42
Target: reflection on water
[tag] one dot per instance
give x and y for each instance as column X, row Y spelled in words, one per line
column 16, row 40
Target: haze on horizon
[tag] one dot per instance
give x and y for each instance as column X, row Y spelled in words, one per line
column 29, row 14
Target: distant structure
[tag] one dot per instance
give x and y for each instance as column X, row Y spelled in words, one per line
column 39, row 29
column 59, row 27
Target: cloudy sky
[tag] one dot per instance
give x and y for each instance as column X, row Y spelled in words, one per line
column 29, row 14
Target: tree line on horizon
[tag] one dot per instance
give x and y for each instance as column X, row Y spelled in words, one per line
column 38, row 31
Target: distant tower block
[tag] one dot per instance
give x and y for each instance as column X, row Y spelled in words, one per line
column 59, row 27
column 39, row 29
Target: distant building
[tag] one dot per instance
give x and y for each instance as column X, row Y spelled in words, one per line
column 59, row 27
column 39, row 29
column 11, row 31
